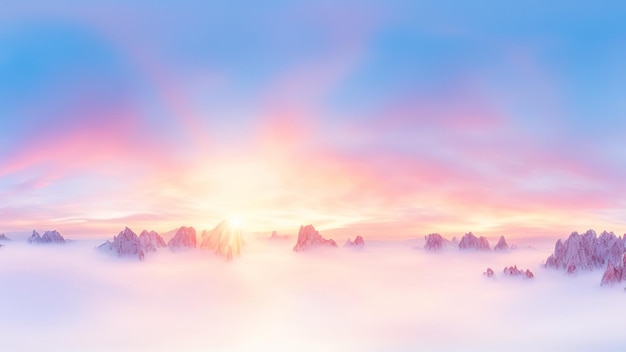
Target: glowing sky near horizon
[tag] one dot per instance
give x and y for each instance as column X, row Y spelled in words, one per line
column 394, row 118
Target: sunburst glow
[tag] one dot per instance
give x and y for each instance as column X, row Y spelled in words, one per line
column 236, row 222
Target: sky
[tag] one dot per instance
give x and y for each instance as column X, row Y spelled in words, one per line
column 389, row 119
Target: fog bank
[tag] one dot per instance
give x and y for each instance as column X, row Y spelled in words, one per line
column 386, row 297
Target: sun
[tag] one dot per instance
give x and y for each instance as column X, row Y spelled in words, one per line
column 235, row 221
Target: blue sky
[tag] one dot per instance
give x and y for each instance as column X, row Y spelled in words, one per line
column 390, row 103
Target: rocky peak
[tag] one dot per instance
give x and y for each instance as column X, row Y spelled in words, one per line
column 358, row 242
column 528, row 274
column 613, row 274
column 586, row 251
column 309, row 238
column 501, row 245
column 489, row 273
column 224, row 239
column 514, row 271
column 276, row 236
column 52, row 237
column 126, row 243
column 185, row 237
column 35, row 237
column 435, row 242
column 469, row 241
column 48, row 237
column 151, row 241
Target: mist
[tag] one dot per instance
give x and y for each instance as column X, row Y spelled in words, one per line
column 388, row 296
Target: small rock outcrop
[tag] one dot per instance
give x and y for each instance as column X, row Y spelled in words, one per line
column 309, row 238
column 358, row 242
column 586, row 251
column 185, row 237
column 125, row 244
column 489, row 273
column 435, row 242
column 471, row 242
column 151, row 241
column 276, row 236
column 48, row 237
column 224, row 239
column 514, row 271
column 501, row 245
column 3, row 237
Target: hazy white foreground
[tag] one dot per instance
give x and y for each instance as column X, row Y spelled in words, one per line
column 385, row 297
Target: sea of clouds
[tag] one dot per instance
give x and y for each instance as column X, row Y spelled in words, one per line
column 389, row 296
